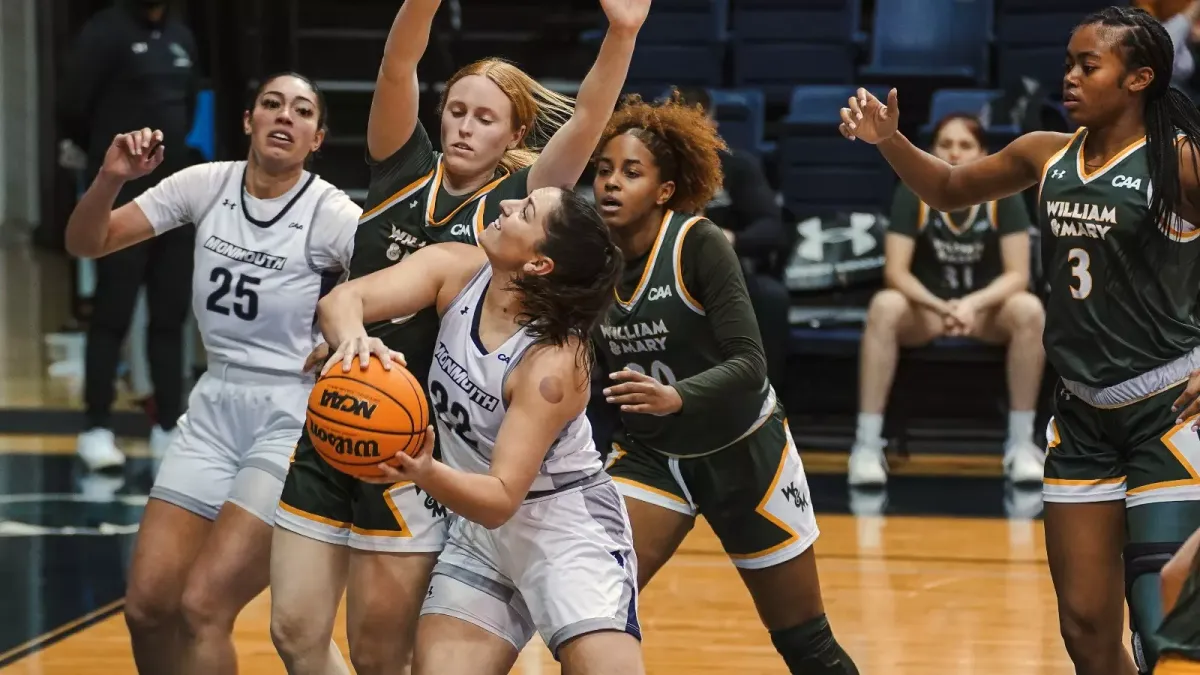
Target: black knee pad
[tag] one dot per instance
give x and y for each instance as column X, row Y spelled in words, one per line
column 1142, row 559
column 810, row 649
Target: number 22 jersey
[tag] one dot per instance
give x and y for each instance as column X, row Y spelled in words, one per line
column 261, row 265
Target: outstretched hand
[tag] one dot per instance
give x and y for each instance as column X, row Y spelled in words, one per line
column 867, row 119
column 626, row 14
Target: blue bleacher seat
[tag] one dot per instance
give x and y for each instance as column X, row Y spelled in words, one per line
column 1040, row 29
column 931, row 38
column 820, row 172
column 1044, row 64
column 1080, row 7
column 777, row 43
column 741, row 118
column 682, row 43
column 820, row 104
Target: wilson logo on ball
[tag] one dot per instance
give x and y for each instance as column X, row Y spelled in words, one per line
column 347, row 403
column 343, row 445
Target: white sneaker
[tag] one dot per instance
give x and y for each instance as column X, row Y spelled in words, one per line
column 1024, row 462
column 159, row 441
column 98, row 450
column 867, row 466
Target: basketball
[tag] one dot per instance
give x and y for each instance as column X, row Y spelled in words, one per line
column 366, row 416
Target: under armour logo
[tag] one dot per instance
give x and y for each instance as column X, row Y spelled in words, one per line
column 465, row 309
column 229, row 204
column 1058, row 173
column 792, row 494
column 295, row 226
column 412, row 204
column 817, row 237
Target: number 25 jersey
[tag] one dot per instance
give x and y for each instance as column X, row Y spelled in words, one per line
column 261, row 265
column 1116, row 309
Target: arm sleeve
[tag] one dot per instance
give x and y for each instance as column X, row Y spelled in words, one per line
column 713, row 275
column 906, row 211
column 87, row 72
column 331, row 244
column 756, row 214
column 183, row 197
column 1011, row 215
column 408, row 164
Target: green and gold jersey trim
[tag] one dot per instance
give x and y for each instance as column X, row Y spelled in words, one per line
column 923, row 212
column 691, row 302
column 431, row 199
column 641, row 284
column 401, row 194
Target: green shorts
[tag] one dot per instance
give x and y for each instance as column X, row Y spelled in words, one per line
column 754, row 493
column 322, row 503
column 1133, row 451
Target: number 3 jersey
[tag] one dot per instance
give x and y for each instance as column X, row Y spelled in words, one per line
column 466, row 393
column 659, row 328
column 260, row 264
column 1118, row 308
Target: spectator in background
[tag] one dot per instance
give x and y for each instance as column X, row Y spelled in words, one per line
column 133, row 66
column 957, row 274
column 747, row 211
column 1180, row 18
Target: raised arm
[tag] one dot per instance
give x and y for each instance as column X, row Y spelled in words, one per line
column 547, row 392
column 567, row 153
column 938, row 184
column 394, row 105
column 431, row 276
column 94, row 228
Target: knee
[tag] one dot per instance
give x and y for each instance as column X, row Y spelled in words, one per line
column 1024, row 312
column 1086, row 635
column 204, row 608
column 296, row 636
column 147, row 611
column 886, row 310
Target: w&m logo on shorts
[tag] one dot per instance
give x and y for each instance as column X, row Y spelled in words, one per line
column 348, row 404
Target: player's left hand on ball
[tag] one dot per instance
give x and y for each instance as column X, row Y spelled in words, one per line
column 406, row 468
column 1188, row 403
column 363, row 347
column 639, row 393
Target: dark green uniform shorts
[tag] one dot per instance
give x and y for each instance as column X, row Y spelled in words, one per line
column 322, row 503
column 754, row 493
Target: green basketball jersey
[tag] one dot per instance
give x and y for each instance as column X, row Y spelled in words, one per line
column 956, row 253
column 1180, row 630
column 1107, row 320
column 657, row 328
column 408, row 208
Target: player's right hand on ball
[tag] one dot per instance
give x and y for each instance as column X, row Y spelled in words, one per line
column 133, row 155
column 866, row 118
column 405, row 468
column 363, row 348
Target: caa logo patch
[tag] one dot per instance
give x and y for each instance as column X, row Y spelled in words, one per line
column 659, row 292
column 1127, row 182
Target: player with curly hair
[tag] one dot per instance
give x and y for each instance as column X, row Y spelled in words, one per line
column 701, row 431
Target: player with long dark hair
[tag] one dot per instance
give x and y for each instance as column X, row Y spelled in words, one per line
column 542, row 542
column 503, row 135
column 1119, row 197
column 271, row 239
column 701, row 431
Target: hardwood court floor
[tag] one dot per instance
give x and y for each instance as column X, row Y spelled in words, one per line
column 906, row 596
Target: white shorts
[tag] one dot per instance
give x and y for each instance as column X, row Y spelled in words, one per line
column 563, row 565
column 234, row 442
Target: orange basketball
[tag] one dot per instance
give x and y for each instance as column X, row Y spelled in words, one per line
column 361, row 418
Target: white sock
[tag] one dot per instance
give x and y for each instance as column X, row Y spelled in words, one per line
column 870, row 429
column 1020, row 426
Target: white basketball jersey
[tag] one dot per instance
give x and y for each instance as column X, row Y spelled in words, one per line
column 254, row 289
column 466, row 388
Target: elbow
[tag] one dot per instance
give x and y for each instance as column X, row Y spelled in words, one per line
column 78, row 246
column 494, row 518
